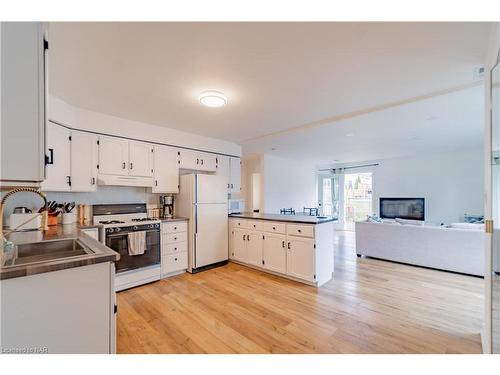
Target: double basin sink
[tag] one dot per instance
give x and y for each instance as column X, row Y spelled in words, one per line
column 45, row 251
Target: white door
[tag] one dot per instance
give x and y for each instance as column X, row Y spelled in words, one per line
column 300, row 258
column 211, row 189
column 58, row 152
column 140, row 159
column 211, row 234
column 235, row 175
column 240, row 251
column 189, row 159
column 223, row 169
column 274, row 254
column 84, row 154
column 255, row 247
column 208, row 162
column 166, row 170
column 113, row 156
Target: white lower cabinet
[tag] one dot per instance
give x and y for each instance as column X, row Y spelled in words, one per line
column 303, row 252
column 239, row 245
column 274, row 255
column 255, row 246
column 300, row 258
column 174, row 258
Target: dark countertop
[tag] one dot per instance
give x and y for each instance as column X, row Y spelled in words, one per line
column 174, row 219
column 100, row 254
column 303, row 219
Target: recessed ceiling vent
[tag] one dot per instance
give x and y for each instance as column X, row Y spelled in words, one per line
column 478, row 73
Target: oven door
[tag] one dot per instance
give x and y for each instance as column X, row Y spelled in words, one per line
column 119, row 243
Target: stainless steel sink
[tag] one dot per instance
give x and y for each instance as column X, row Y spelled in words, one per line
column 44, row 251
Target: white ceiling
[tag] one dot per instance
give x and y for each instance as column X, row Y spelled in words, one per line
column 277, row 76
column 454, row 121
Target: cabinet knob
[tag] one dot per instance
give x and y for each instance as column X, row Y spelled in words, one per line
column 274, row 228
column 175, row 228
column 299, row 231
column 175, row 259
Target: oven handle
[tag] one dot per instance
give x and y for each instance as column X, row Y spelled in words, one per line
column 125, row 233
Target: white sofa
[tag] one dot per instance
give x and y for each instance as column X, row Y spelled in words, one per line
column 450, row 249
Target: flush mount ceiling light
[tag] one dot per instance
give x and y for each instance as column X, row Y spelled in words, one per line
column 213, row 98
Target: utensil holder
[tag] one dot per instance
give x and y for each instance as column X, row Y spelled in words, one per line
column 68, row 218
column 52, row 220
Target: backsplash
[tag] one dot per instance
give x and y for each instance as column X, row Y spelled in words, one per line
column 103, row 195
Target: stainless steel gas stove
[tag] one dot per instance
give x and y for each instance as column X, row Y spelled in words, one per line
column 118, row 221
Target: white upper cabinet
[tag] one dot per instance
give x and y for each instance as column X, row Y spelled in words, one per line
column 166, row 170
column 58, row 159
column 235, row 175
column 197, row 160
column 23, row 90
column 223, row 169
column 140, row 160
column 230, row 167
column 84, row 160
column 113, row 156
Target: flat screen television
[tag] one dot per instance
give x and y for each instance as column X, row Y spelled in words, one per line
column 403, row 208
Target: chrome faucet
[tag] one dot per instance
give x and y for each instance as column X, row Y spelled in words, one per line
column 3, row 240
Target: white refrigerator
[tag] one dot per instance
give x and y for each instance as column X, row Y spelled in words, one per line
column 203, row 200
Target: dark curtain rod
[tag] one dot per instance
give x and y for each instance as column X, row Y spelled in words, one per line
column 353, row 167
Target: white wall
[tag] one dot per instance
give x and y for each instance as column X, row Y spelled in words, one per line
column 78, row 118
column 451, row 183
column 288, row 183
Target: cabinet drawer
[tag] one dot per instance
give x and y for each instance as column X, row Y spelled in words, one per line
column 174, row 237
column 303, row 230
column 174, row 248
column 173, row 262
column 255, row 225
column 175, row 227
column 237, row 223
column 274, row 227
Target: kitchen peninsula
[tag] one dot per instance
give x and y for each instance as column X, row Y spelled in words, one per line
column 297, row 247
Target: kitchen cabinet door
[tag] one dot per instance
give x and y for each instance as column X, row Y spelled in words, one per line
column 274, row 254
column 223, row 168
column 166, row 170
column 235, row 175
column 84, row 155
column 189, row 159
column 208, row 162
column 231, row 240
column 22, row 93
column 140, row 159
column 240, row 245
column 300, row 258
column 58, row 166
column 113, row 156
column 255, row 246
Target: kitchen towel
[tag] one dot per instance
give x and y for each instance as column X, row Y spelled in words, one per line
column 136, row 243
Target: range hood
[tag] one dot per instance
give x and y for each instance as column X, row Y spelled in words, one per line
column 112, row 180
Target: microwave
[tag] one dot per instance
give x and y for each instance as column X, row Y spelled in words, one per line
column 235, row 206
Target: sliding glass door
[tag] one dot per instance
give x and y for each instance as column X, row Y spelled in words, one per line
column 328, row 195
column 357, row 198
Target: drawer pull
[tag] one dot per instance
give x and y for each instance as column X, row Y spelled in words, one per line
column 298, row 230
column 175, row 248
column 175, row 259
column 175, row 238
column 175, row 228
column 274, row 228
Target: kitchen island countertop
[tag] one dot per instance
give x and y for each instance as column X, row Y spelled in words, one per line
column 303, row 219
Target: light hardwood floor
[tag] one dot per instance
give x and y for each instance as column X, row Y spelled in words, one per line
column 371, row 306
